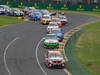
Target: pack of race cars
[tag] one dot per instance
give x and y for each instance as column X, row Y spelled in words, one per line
column 55, row 22
column 54, row 57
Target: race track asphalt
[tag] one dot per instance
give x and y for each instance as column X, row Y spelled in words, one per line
column 20, row 54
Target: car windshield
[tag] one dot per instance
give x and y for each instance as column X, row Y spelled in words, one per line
column 53, row 23
column 1, row 8
column 46, row 17
column 51, row 37
column 55, row 55
column 37, row 13
column 62, row 17
column 45, row 11
column 31, row 8
column 16, row 10
column 56, row 31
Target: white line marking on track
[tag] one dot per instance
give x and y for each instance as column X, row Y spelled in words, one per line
column 5, row 62
column 37, row 57
column 68, row 73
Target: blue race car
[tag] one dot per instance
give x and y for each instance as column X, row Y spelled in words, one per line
column 58, row 33
column 35, row 16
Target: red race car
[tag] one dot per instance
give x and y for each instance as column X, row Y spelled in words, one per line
column 54, row 58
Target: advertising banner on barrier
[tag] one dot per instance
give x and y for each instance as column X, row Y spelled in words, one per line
column 53, row 6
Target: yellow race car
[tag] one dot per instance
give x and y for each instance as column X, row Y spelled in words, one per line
column 45, row 19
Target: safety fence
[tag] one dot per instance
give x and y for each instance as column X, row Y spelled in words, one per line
column 73, row 64
column 53, row 6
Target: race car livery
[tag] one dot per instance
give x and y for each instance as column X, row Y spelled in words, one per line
column 51, row 41
column 63, row 20
column 51, row 27
column 45, row 19
column 58, row 33
column 54, row 58
column 35, row 16
column 55, row 20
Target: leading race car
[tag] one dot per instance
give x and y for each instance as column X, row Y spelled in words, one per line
column 54, row 58
column 58, row 33
column 51, row 41
column 45, row 19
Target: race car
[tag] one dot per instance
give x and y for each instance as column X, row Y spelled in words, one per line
column 56, row 20
column 15, row 12
column 56, row 13
column 58, row 33
column 51, row 27
column 35, row 16
column 61, row 13
column 63, row 20
column 52, row 13
column 51, row 41
column 45, row 19
column 45, row 12
column 54, row 58
column 4, row 9
column 28, row 10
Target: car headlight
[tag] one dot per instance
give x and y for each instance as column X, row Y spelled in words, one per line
column 63, row 61
column 50, row 61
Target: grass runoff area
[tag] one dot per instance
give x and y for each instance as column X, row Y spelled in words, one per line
column 97, row 13
column 87, row 48
column 5, row 20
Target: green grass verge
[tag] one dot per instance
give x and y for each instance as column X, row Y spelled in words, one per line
column 6, row 20
column 97, row 13
column 88, row 48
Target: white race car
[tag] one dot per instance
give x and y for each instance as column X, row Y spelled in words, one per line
column 50, row 28
column 54, row 58
column 63, row 20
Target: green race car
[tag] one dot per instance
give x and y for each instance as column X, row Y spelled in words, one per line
column 51, row 41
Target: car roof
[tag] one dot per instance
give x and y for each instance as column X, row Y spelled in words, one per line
column 53, row 26
column 50, row 34
column 46, row 15
column 54, row 51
